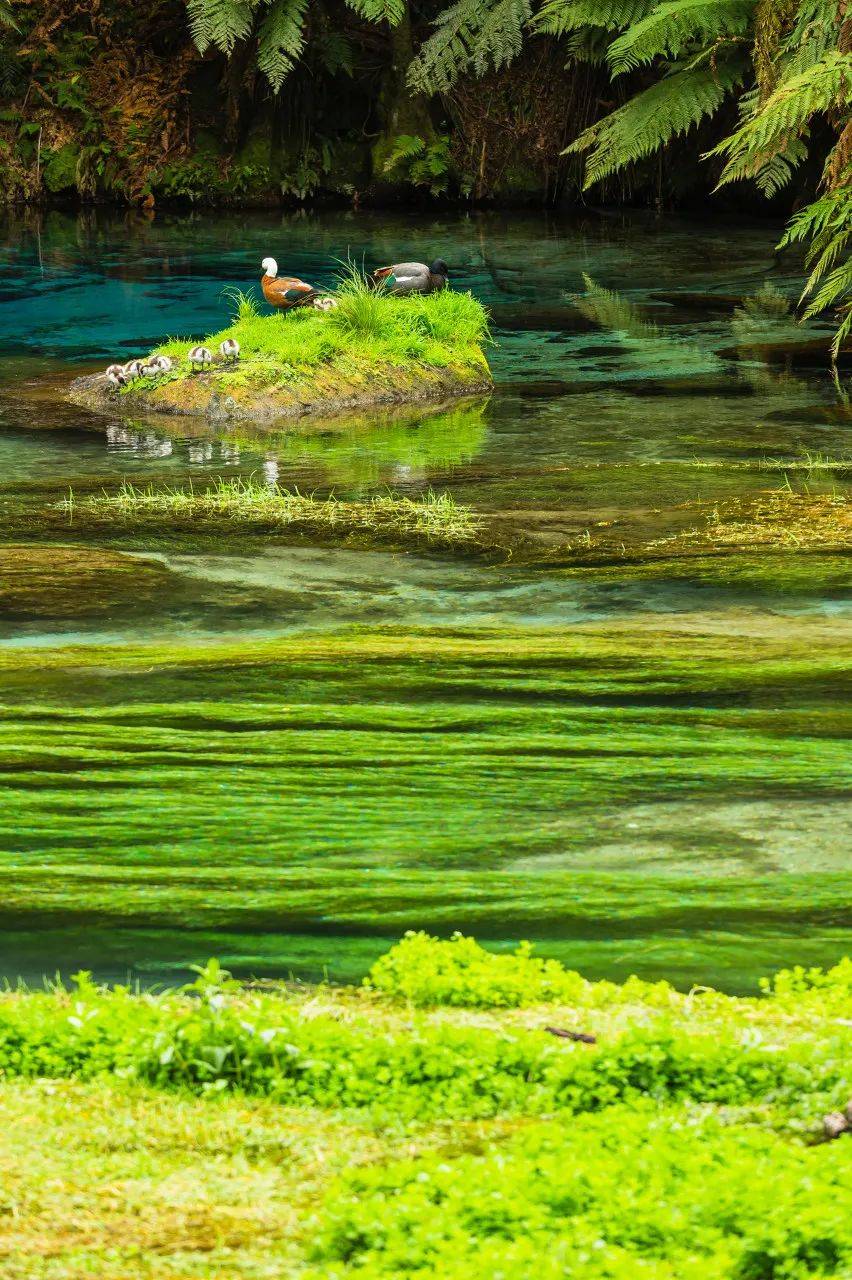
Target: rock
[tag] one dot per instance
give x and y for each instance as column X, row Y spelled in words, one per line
column 834, row 1124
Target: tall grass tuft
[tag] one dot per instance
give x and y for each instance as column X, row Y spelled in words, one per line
column 251, row 504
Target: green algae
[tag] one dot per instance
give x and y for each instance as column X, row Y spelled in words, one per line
column 265, row 793
column 39, row 581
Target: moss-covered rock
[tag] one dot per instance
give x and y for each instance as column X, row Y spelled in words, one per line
column 371, row 348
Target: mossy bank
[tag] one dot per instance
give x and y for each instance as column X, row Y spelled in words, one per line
column 372, row 348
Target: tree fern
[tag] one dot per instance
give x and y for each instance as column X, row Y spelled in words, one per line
column 647, row 121
column 280, row 39
column 676, row 24
column 471, row 35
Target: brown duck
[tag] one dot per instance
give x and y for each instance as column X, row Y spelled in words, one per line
column 285, row 292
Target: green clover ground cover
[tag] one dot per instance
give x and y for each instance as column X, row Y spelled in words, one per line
column 427, row 1124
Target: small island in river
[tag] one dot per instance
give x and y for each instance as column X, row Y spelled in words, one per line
column 369, row 348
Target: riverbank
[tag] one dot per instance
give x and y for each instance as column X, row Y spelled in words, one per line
column 371, row 348
column 463, row 1114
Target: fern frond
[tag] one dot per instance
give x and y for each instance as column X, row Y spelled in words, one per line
column 281, row 39
column 646, row 122
column 559, row 17
column 391, row 11
column 470, row 35
column 826, row 224
column 221, row 23
column 834, row 286
column 784, row 115
column 778, row 170
column 674, row 25
column 405, row 147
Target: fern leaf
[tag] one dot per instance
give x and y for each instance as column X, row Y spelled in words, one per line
column 392, row 11
column 469, row 35
column 405, row 148
column 784, row 115
column 675, row 24
column 647, row 121
column 559, row 17
column 221, row 23
column 778, row 170
column 281, row 39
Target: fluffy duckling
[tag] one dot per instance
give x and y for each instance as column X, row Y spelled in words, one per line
column 284, row 292
column 413, row 277
column 163, row 363
column 117, row 371
column 230, row 350
column 115, row 381
column 200, row 356
column 133, row 369
column 325, row 304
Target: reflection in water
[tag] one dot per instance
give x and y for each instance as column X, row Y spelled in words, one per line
column 642, row 770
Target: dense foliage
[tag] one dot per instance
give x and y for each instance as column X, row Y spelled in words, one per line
column 683, row 1139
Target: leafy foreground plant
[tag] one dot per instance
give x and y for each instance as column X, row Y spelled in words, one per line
column 689, row 1152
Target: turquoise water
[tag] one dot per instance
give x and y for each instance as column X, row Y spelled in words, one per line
column 172, row 786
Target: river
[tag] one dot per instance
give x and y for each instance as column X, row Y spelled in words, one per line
column 285, row 753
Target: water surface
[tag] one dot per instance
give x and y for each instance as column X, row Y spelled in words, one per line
column 286, row 753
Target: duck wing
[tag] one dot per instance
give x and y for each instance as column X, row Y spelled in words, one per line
column 287, row 291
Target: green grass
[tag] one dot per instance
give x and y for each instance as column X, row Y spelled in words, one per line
column 247, row 503
column 368, row 328
column 410, row 1128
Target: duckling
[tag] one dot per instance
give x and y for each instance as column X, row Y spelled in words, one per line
column 117, row 370
column 325, row 304
column 163, row 363
column 230, row 350
column 115, row 381
column 133, row 369
column 151, row 370
column 202, row 356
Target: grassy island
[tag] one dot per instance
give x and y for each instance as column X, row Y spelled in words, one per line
column 462, row 1114
column 372, row 348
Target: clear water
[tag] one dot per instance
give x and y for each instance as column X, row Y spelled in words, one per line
column 286, row 754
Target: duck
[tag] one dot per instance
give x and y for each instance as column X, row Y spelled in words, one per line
column 230, row 350
column 412, row 277
column 133, row 369
column 284, row 292
column 200, row 356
